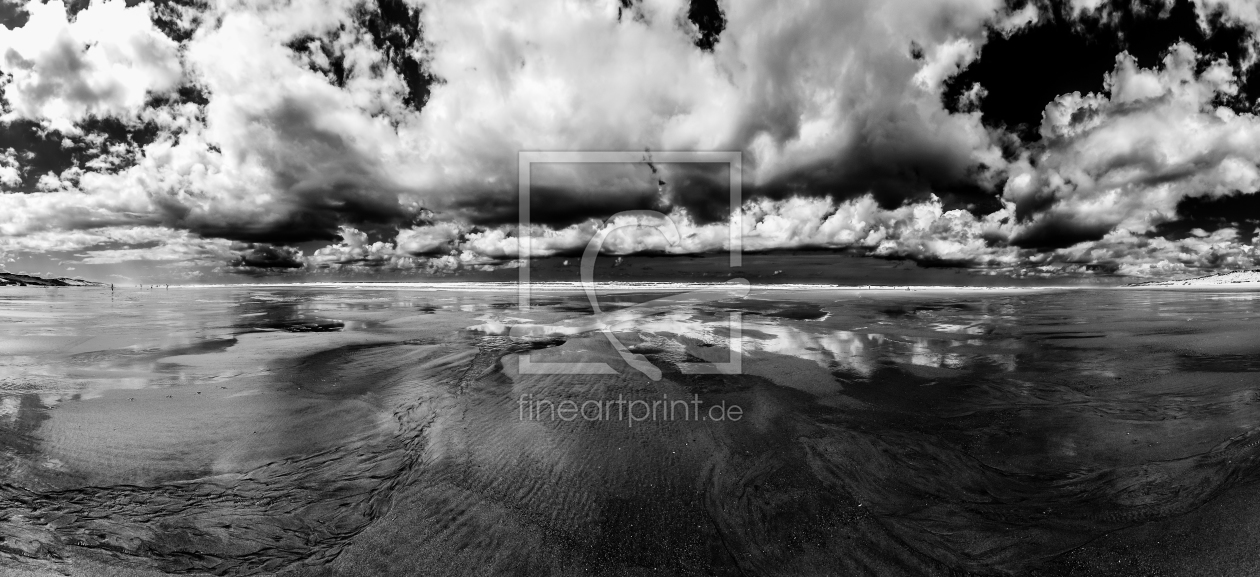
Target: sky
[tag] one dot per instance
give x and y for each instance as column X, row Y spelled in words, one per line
column 187, row 141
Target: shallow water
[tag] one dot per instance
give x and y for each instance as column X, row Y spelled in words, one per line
column 326, row 430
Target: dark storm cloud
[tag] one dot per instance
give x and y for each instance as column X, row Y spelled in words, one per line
column 268, row 256
column 894, row 163
column 556, row 206
column 896, row 171
column 703, row 189
column 315, row 212
column 323, row 180
column 1058, row 231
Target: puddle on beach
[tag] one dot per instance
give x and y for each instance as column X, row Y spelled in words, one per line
column 318, row 431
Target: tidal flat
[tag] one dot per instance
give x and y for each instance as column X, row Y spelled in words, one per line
column 395, row 430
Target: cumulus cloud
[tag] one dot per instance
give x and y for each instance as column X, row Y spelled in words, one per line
column 289, row 150
column 392, row 130
column 1125, row 158
column 1129, row 254
column 104, row 63
column 818, row 95
column 354, row 249
column 428, row 240
column 1243, row 10
column 265, row 256
column 435, row 249
column 945, row 61
column 923, row 231
column 10, row 169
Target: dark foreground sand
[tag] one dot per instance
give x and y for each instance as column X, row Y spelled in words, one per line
column 382, row 432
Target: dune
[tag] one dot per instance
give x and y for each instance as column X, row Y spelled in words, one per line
column 10, row 279
column 1238, row 278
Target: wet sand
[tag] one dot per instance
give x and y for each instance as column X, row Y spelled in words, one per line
column 381, row 431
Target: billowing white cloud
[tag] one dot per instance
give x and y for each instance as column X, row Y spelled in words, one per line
column 1017, row 20
column 1246, row 11
column 1125, row 158
column 354, row 249
column 428, row 240
column 945, row 61
column 1136, row 255
column 105, row 62
column 10, row 169
column 923, row 231
column 280, row 146
column 25, row 214
column 565, row 76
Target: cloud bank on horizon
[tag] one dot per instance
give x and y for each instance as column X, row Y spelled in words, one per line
column 271, row 137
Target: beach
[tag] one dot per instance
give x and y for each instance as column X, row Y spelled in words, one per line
column 404, row 429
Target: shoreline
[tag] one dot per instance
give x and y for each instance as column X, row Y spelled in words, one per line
column 671, row 286
column 631, row 286
column 653, row 286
